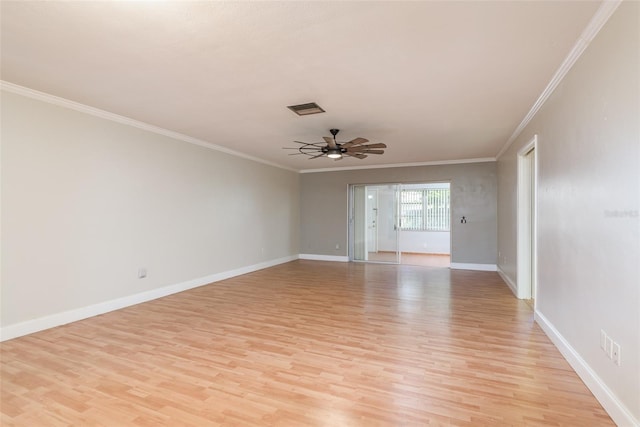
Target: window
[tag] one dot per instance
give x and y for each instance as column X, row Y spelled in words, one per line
column 425, row 209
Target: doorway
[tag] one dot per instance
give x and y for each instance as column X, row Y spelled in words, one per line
column 401, row 224
column 526, row 234
column 373, row 233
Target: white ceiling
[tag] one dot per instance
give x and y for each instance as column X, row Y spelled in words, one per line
column 435, row 81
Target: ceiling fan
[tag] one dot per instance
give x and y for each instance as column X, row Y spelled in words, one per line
column 333, row 149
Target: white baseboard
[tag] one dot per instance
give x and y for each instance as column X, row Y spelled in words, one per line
column 53, row 320
column 314, row 257
column 508, row 281
column 617, row 411
column 478, row 267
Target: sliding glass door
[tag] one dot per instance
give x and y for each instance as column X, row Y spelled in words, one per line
column 373, row 224
column 401, row 223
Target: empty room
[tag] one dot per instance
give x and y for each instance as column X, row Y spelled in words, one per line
column 320, row 213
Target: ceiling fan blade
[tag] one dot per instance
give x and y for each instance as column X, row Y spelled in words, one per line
column 353, row 142
column 315, row 157
column 330, row 142
column 378, row 145
column 358, row 155
column 373, row 151
column 366, row 147
column 360, row 149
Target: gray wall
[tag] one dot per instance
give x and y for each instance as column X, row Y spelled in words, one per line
column 324, row 207
column 588, row 202
column 87, row 201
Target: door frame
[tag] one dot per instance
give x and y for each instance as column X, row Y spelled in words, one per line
column 352, row 222
column 369, row 191
column 398, row 231
column 527, row 227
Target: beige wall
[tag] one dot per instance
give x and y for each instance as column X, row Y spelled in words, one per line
column 324, row 207
column 588, row 201
column 87, row 201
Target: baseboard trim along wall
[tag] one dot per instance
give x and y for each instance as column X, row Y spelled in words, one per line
column 314, row 257
column 454, row 265
column 618, row 412
column 58, row 319
column 508, row 281
column 478, row 267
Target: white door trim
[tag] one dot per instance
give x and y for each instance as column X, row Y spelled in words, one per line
column 371, row 237
column 527, row 221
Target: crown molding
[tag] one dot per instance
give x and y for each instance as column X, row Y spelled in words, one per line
column 402, row 165
column 594, row 26
column 62, row 102
column 66, row 103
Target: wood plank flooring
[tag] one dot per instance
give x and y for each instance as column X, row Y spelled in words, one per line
column 412, row 258
column 305, row 343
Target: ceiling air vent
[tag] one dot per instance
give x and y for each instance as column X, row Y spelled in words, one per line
column 306, row 109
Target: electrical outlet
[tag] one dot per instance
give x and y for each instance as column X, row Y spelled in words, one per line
column 142, row 273
column 616, row 353
column 337, row 246
column 603, row 339
column 608, row 347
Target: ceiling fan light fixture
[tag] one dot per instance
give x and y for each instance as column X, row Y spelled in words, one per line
column 335, row 150
column 334, row 153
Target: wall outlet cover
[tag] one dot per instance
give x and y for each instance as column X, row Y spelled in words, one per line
column 616, row 353
column 609, row 347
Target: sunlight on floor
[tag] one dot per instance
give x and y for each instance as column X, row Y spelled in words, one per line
column 409, row 258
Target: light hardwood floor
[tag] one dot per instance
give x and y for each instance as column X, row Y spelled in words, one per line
column 412, row 258
column 304, row 343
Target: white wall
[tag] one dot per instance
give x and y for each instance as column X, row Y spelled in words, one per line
column 426, row 242
column 588, row 223
column 87, row 201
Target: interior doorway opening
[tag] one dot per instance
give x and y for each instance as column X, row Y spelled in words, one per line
column 401, row 223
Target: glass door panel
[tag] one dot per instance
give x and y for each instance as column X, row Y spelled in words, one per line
column 374, row 223
column 358, row 224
